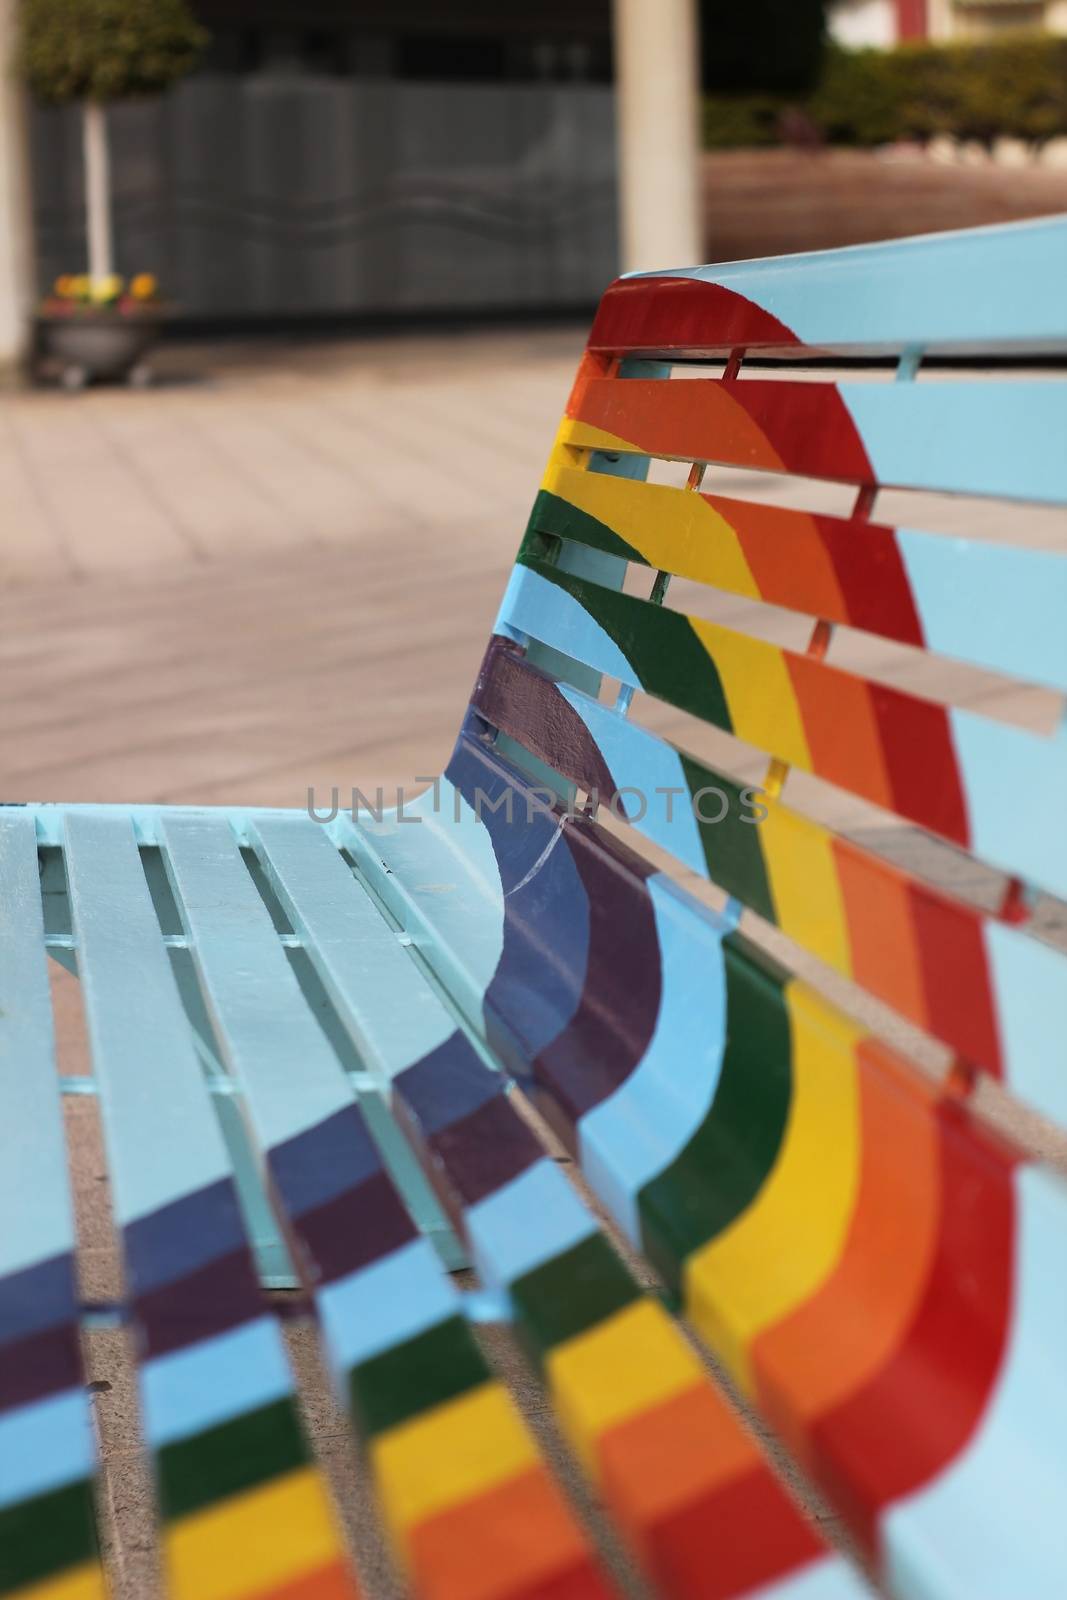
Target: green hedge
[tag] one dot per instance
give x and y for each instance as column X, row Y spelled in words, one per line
column 1015, row 86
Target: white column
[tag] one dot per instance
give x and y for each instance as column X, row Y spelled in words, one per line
column 97, row 189
column 16, row 229
column 656, row 77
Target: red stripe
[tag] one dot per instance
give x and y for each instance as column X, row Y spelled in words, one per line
column 873, row 578
column 682, row 314
column 921, row 1410
column 956, row 980
column 921, row 762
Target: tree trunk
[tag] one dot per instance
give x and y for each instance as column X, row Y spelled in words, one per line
column 97, row 190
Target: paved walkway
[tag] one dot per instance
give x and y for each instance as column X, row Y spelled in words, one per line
column 276, row 574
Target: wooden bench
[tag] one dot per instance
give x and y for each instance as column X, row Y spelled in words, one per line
column 319, row 1047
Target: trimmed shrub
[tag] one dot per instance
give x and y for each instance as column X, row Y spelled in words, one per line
column 105, row 49
column 1015, row 86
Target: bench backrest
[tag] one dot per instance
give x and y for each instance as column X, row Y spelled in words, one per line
column 878, row 1268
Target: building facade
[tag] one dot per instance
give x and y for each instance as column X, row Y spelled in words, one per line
column 859, row 24
column 332, row 159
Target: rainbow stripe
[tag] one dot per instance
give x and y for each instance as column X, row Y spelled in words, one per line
column 848, row 1242
column 965, row 977
column 711, row 1520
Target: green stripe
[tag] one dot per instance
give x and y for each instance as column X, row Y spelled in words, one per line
column 236, row 1455
column 572, row 1292
column 732, row 847
column 41, row 1538
column 725, row 1164
column 412, row 1377
column 666, row 654
column 553, row 515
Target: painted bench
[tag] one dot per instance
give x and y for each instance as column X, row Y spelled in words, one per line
column 331, row 1057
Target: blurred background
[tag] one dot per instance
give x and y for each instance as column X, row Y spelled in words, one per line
column 369, row 235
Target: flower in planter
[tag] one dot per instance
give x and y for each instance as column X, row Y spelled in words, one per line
column 144, row 287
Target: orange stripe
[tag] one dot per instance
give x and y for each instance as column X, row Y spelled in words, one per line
column 672, row 1454
column 885, row 952
column 841, row 729
column 677, row 419
column 786, row 556
column 517, row 1539
column 838, row 1340
column 333, row 1582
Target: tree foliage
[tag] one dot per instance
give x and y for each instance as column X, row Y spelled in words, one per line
column 105, row 49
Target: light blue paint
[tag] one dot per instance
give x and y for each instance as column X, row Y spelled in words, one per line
column 533, row 605
column 1011, row 780
column 531, row 1219
column 389, row 1301
column 994, row 605
column 38, row 1220
column 992, row 1524
column 639, row 760
column 1030, row 994
column 45, row 1445
column 632, row 1136
column 971, row 288
column 825, row 1578
column 442, row 883
column 206, row 1384
column 162, row 1137
column 987, row 438
column 265, row 1029
column 390, row 1011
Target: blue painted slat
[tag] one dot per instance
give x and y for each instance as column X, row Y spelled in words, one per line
column 35, row 1204
column 972, row 288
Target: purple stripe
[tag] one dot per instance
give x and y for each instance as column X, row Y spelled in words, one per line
column 447, row 1084
column 38, row 1297
column 184, row 1237
column 44, row 1363
column 353, row 1229
column 219, row 1295
column 526, row 704
column 325, row 1161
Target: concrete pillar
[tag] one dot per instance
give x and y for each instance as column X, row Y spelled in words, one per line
column 657, row 77
column 16, row 233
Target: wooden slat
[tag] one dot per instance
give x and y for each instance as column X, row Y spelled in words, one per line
column 977, row 782
column 534, row 1241
column 400, row 1349
column 967, row 437
column 978, row 290
column 996, row 996
column 244, row 1511
column 47, row 1535
column 994, row 606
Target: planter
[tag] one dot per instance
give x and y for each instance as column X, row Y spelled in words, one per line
column 85, row 348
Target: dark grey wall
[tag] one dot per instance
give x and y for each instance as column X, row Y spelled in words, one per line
column 280, row 193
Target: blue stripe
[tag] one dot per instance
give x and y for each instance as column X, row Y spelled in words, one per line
column 632, row 1136
column 384, row 1304
column 206, row 1384
column 45, row 1445
column 531, row 1219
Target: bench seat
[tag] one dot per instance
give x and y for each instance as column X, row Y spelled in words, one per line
column 752, row 1137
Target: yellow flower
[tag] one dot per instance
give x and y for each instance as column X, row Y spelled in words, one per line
column 144, row 286
column 105, row 289
column 78, row 287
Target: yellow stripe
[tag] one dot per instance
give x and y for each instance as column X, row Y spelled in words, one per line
column 84, row 1582
column 805, row 886
column 674, row 530
column 784, row 1246
column 628, row 1364
column 583, row 436
column 453, row 1453
column 252, row 1541
column 758, row 689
